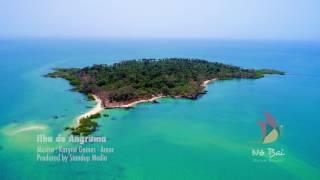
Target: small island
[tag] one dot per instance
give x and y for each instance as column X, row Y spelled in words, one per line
column 129, row 82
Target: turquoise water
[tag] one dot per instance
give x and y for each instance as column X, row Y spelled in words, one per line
column 210, row 138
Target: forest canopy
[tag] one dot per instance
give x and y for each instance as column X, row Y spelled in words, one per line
column 132, row 80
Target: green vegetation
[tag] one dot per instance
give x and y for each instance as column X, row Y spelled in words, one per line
column 262, row 72
column 132, row 80
column 86, row 127
column 90, row 97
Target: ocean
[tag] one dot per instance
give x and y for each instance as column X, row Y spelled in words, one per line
column 214, row 137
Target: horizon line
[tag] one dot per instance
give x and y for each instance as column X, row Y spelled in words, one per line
column 148, row 38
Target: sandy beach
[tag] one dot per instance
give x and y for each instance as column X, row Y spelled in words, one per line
column 205, row 83
column 139, row 101
column 97, row 109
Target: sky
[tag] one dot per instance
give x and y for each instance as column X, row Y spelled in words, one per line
column 220, row 19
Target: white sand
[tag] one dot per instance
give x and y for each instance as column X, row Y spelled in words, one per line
column 205, row 83
column 140, row 101
column 97, row 109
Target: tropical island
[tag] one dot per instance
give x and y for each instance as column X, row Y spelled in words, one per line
column 129, row 82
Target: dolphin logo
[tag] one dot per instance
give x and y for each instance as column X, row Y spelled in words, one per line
column 270, row 129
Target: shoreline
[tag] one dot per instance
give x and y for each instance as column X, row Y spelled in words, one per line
column 206, row 82
column 134, row 103
column 99, row 107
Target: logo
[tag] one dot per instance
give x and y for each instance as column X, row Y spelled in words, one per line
column 270, row 129
column 270, row 133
